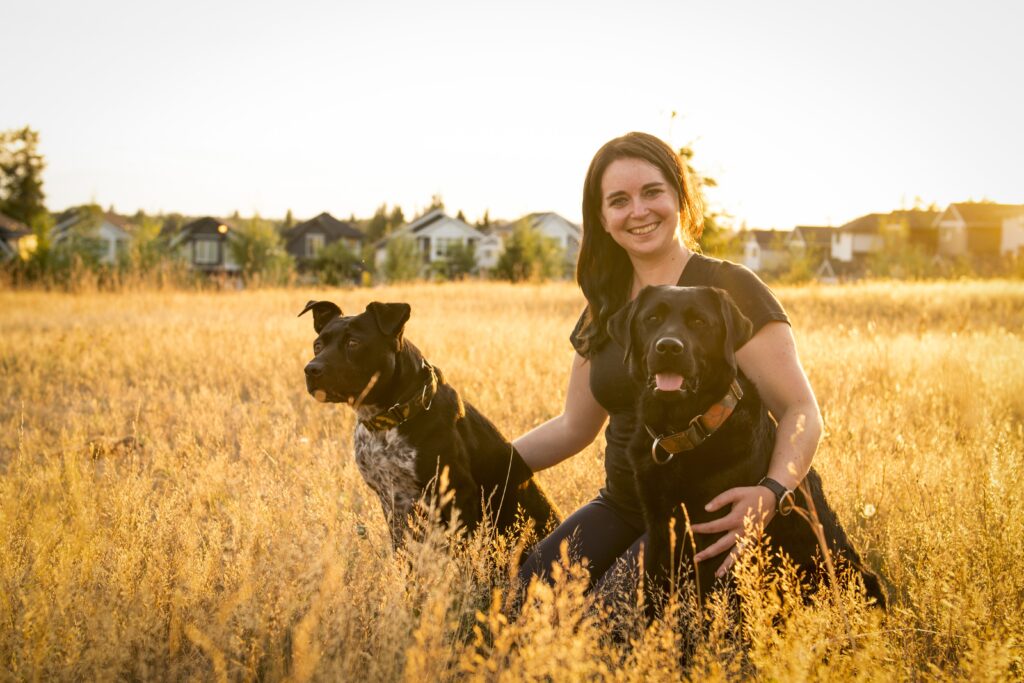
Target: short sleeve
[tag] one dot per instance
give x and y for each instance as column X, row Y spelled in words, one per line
column 575, row 337
column 754, row 298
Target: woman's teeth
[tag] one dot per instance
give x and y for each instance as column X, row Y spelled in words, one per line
column 643, row 229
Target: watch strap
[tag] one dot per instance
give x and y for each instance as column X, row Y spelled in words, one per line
column 780, row 491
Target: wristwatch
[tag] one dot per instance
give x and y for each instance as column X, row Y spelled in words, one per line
column 786, row 499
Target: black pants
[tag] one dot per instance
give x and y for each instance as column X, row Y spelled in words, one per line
column 609, row 536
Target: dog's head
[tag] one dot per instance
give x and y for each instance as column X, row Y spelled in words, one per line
column 353, row 353
column 681, row 340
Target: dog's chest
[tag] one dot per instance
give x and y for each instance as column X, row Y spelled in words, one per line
column 388, row 464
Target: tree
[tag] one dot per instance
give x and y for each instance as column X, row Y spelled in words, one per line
column 460, row 261
column 335, row 264
column 21, row 171
column 436, row 202
column 461, row 216
column 260, row 253
column 485, row 221
column 397, row 218
column 529, row 255
column 289, row 220
column 378, row 225
column 402, row 261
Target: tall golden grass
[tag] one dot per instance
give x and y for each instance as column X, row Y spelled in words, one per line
column 174, row 505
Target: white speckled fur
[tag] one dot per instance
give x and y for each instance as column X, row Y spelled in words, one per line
column 388, row 465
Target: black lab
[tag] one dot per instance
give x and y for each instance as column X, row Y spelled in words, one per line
column 413, row 425
column 680, row 345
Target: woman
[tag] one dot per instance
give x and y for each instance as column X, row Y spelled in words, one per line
column 641, row 220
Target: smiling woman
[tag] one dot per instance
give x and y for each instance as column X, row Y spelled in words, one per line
column 641, row 219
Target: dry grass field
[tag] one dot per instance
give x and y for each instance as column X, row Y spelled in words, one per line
column 231, row 537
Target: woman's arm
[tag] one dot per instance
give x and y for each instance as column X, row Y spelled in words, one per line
column 770, row 361
column 572, row 431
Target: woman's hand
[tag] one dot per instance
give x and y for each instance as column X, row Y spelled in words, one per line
column 746, row 501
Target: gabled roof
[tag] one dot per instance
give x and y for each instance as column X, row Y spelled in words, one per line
column 865, row 224
column 985, row 214
column 207, row 225
column 538, row 219
column 766, row 239
column 429, row 221
column 815, row 235
column 10, row 228
column 917, row 219
column 73, row 216
column 326, row 224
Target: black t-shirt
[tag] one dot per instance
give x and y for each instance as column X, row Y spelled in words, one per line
column 618, row 394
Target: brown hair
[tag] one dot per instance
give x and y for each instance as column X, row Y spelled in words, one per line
column 603, row 270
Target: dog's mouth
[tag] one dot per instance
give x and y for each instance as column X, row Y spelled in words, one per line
column 671, row 385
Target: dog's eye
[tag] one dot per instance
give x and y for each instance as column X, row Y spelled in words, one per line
column 352, row 344
column 653, row 318
column 699, row 322
column 317, row 346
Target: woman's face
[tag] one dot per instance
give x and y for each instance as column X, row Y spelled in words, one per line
column 639, row 208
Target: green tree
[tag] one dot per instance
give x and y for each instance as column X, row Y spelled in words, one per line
column 378, row 226
column 460, row 261
column 461, row 216
column 21, row 176
column 260, row 253
column 335, row 264
column 147, row 248
column 402, row 261
column 289, row 220
column 397, row 218
column 529, row 255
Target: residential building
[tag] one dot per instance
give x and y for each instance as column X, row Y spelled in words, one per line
column 204, row 244
column 106, row 234
column 434, row 234
column 974, row 228
column 16, row 240
column 305, row 240
column 765, row 251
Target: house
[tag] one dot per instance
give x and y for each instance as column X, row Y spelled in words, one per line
column 16, row 240
column 853, row 241
column 106, row 234
column 434, row 233
column 553, row 226
column 911, row 227
column 305, row 240
column 974, row 228
column 764, row 251
column 204, row 244
column 813, row 240
column 1012, row 241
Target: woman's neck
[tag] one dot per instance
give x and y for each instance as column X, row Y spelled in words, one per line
column 665, row 269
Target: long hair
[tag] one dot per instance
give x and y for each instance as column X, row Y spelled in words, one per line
column 603, row 270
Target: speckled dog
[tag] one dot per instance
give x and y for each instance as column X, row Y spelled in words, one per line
column 413, row 425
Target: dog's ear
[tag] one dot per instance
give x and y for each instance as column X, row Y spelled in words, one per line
column 323, row 313
column 737, row 327
column 620, row 329
column 391, row 318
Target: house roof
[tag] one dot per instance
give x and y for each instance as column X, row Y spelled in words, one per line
column 986, row 214
column 75, row 215
column 10, row 228
column 207, row 225
column 327, row 224
column 917, row 219
column 865, row 224
column 429, row 221
column 815, row 235
column 766, row 239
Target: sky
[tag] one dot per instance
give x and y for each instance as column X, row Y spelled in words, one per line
column 805, row 113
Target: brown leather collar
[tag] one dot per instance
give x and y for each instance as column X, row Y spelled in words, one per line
column 401, row 412
column 701, row 427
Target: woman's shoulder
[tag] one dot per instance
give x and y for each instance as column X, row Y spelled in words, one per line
column 715, row 272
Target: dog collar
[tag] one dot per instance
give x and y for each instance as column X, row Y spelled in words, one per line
column 401, row 412
column 700, row 428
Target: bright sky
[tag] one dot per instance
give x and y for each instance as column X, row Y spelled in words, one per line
column 805, row 112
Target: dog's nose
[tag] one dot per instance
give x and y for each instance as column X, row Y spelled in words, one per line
column 314, row 369
column 669, row 345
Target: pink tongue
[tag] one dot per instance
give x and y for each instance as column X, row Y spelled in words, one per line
column 667, row 381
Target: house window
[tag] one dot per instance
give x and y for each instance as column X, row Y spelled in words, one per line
column 444, row 244
column 207, row 252
column 314, row 243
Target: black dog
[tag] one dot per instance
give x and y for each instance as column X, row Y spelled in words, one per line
column 702, row 429
column 413, row 426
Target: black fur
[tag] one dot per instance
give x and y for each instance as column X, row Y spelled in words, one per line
column 710, row 328
column 364, row 360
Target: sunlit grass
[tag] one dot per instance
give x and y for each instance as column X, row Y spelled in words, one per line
column 231, row 536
